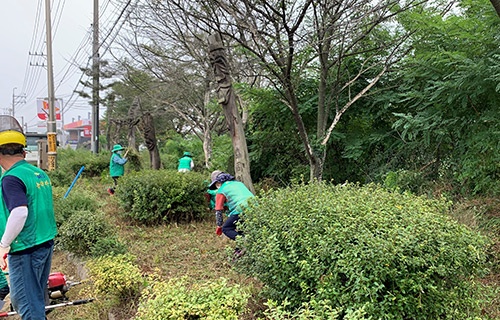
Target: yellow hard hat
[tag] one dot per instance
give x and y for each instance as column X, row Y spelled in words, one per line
column 12, row 136
column 11, row 131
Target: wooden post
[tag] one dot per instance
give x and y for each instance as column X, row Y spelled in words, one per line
column 227, row 99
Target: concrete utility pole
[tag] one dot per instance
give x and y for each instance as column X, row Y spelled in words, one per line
column 51, row 123
column 95, row 82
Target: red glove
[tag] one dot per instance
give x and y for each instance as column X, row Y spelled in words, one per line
column 218, row 231
column 4, row 261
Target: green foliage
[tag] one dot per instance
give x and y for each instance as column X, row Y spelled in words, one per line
column 176, row 299
column 60, row 178
column 155, row 196
column 115, row 277
column 274, row 147
column 108, row 246
column 81, row 200
column 313, row 310
column 393, row 255
column 448, row 96
column 70, row 161
column 133, row 161
column 406, row 180
column 176, row 145
column 82, row 230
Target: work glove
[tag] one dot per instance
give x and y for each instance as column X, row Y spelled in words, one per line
column 218, row 231
column 3, row 257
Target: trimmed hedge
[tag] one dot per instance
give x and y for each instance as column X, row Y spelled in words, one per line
column 82, row 230
column 157, row 196
column 390, row 255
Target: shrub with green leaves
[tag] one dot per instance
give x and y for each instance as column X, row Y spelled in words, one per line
column 115, row 277
column 391, row 254
column 156, row 196
column 312, row 310
column 176, row 299
column 80, row 232
column 81, row 200
column 108, row 246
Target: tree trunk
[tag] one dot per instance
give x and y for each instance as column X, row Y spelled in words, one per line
column 132, row 123
column 496, row 5
column 150, row 141
column 207, row 130
column 227, row 99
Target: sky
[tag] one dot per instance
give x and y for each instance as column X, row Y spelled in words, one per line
column 23, row 60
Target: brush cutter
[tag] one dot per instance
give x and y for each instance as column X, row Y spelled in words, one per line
column 51, row 307
column 57, row 287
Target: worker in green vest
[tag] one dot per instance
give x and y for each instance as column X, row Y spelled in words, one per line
column 116, row 165
column 186, row 163
column 232, row 197
column 27, row 223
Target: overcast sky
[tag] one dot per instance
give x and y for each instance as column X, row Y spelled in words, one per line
column 23, row 48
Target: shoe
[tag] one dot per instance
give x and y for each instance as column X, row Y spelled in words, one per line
column 111, row 191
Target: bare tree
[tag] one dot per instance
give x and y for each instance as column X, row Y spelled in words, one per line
column 173, row 50
column 348, row 44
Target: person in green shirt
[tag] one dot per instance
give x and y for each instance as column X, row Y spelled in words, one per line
column 27, row 223
column 234, row 196
column 186, row 163
column 116, row 165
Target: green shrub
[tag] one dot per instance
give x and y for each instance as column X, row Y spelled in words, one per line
column 391, row 254
column 115, row 277
column 108, row 246
column 60, row 178
column 82, row 230
column 70, row 162
column 176, row 300
column 406, row 180
column 313, row 310
column 154, row 196
column 81, row 200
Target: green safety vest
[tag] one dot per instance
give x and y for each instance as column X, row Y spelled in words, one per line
column 116, row 169
column 40, row 225
column 185, row 163
column 237, row 195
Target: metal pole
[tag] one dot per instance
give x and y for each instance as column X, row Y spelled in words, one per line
column 95, row 80
column 13, row 102
column 51, row 123
column 74, row 181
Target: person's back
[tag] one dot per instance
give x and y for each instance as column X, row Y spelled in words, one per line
column 186, row 163
column 27, row 223
column 237, row 195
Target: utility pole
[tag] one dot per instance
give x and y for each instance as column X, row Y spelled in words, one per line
column 13, row 101
column 16, row 100
column 51, row 123
column 95, row 81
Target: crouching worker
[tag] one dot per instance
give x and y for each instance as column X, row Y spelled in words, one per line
column 233, row 194
column 27, row 223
